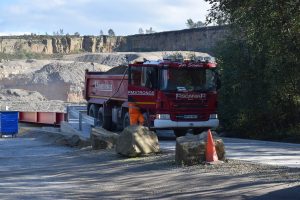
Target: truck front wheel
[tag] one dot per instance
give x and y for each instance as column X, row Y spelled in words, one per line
column 180, row 132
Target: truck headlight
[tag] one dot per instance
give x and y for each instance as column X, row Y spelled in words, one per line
column 162, row 116
column 213, row 116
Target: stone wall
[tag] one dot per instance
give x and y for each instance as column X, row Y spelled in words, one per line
column 199, row 39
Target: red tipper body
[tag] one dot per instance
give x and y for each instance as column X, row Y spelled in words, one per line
column 171, row 95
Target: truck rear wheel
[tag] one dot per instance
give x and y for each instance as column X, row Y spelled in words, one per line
column 180, row 132
column 104, row 121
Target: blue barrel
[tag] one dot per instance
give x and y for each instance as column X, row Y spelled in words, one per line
column 9, row 123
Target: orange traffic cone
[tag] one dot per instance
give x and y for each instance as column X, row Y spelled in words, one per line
column 211, row 153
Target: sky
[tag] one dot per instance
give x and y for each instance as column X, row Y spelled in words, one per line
column 88, row 17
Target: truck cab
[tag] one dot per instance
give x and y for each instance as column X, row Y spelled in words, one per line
column 178, row 95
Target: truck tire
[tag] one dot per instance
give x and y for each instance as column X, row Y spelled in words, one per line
column 180, row 132
column 104, row 121
column 126, row 120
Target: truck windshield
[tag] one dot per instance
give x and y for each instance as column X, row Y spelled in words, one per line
column 188, row 79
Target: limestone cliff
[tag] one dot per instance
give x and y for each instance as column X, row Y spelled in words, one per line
column 199, row 39
column 57, row 44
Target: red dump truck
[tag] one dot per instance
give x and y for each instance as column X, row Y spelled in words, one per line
column 172, row 94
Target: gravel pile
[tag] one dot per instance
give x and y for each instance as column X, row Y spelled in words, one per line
column 20, row 95
column 107, row 59
column 121, row 58
column 14, row 67
column 34, row 106
column 59, row 80
column 70, row 73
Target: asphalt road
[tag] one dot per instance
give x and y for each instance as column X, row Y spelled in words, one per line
column 35, row 168
column 264, row 152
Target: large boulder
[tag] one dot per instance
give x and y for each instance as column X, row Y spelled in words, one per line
column 103, row 139
column 76, row 141
column 136, row 141
column 191, row 149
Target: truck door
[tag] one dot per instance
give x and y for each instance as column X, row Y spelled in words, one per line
column 142, row 86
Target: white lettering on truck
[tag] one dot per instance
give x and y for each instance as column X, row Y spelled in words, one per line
column 141, row 93
column 103, row 86
column 190, row 96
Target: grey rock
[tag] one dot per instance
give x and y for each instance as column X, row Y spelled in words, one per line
column 135, row 141
column 74, row 141
column 103, row 139
column 191, row 149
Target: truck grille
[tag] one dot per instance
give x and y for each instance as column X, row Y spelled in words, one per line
column 202, row 104
column 191, row 117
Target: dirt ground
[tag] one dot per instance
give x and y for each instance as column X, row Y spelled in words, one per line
column 34, row 167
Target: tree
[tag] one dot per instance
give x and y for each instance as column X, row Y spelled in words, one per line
column 101, row 33
column 111, row 32
column 77, row 34
column 149, row 31
column 191, row 24
column 260, row 64
column 61, row 31
column 141, row 31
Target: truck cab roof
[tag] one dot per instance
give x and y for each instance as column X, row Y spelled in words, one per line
column 176, row 64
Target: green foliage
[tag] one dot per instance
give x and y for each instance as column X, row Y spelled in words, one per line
column 77, row 34
column 111, row 32
column 260, row 64
column 150, row 31
column 141, row 31
column 191, row 24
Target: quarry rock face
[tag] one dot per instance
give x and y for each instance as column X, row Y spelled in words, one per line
column 197, row 39
column 58, row 44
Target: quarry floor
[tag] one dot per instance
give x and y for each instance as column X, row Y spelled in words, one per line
column 34, row 167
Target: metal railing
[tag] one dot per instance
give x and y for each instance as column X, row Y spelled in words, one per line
column 79, row 113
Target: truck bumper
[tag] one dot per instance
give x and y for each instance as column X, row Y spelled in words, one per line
column 165, row 124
